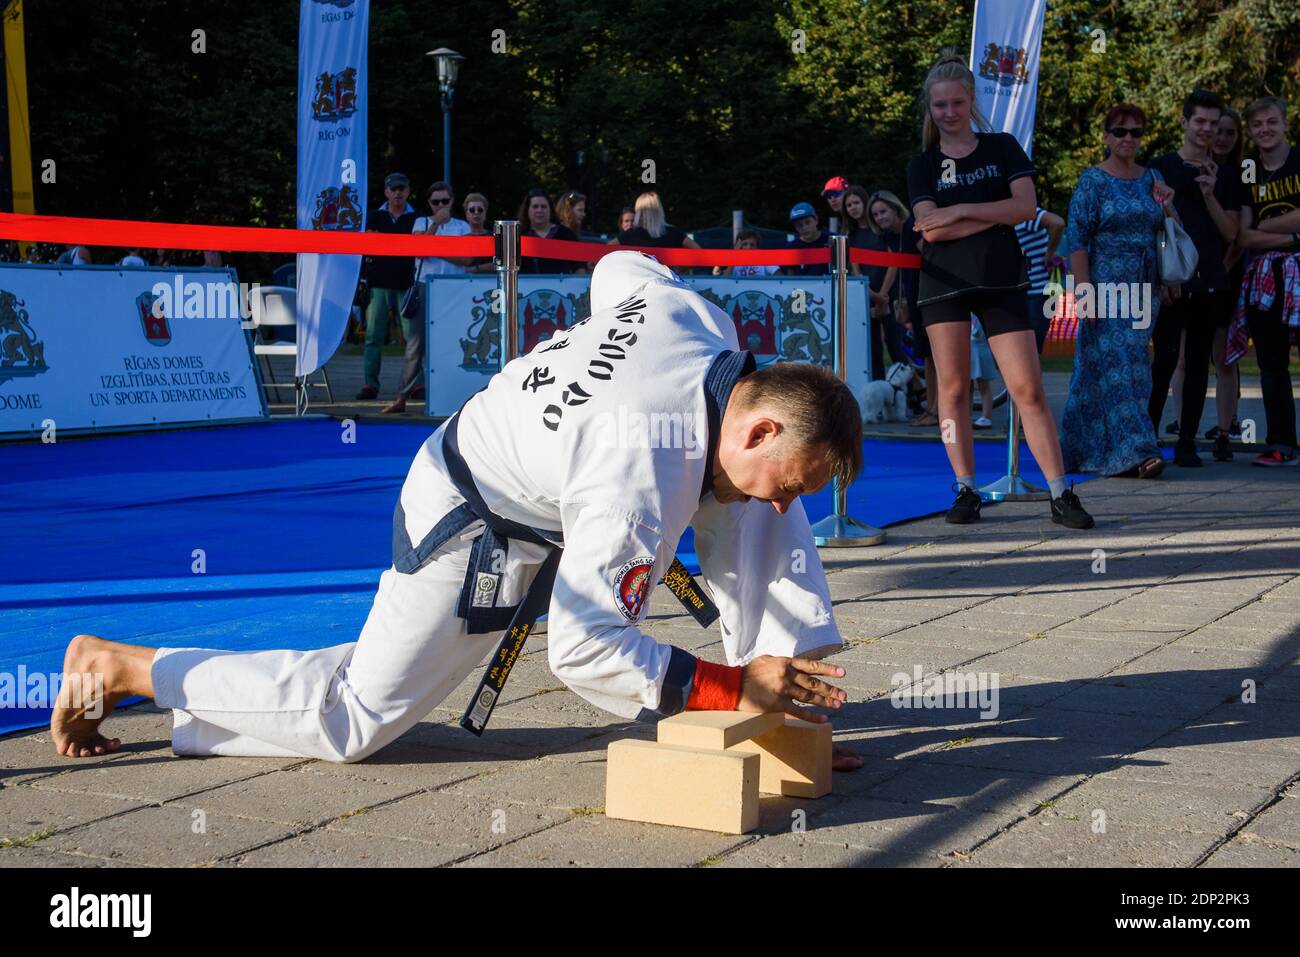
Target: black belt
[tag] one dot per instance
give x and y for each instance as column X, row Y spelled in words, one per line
column 477, row 604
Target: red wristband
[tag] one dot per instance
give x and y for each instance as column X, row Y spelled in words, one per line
column 716, row 687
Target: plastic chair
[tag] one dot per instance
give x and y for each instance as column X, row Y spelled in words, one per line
column 277, row 308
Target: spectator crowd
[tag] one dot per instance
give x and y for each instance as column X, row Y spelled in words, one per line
column 997, row 267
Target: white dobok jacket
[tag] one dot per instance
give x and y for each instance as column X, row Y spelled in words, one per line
column 602, row 437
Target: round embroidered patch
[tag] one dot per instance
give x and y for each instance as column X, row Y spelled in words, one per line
column 631, row 585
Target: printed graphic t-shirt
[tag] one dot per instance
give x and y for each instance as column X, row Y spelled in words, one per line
column 1276, row 192
column 991, row 258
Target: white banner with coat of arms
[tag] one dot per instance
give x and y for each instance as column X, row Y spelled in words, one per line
column 780, row 319
column 1005, row 47
column 89, row 348
column 332, row 37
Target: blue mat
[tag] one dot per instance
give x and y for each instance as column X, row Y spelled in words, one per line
column 292, row 526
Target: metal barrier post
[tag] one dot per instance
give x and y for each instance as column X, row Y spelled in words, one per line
column 840, row 530
column 507, row 257
column 1011, row 487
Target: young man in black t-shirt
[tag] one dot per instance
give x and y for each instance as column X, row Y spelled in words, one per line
column 968, row 190
column 1207, row 198
column 1270, row 228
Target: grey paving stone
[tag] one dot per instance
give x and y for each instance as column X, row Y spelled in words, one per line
column 170, row 836
column 508, row 735
column 1101, row 697
column 793, row 850
column 1130, row 803
column 472, row 821
column 28, row 811
column 30, row 754
column 1061, row 657
column 157, row 776
column 1247, row 850
column 931, row 830
column 1048, row 840
column 1028, row 754
column 572, row 781
column 1187, row 668
column 37, row 857
column 1008, row 793
column 978, row 640
column 1119, row 733
column 1279, row 824
column 596, row 841
column 1203, row 765
column 295, row 798
column 1240, row 728
column 327, row 847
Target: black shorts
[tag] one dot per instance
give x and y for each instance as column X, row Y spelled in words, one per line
column 999, row 310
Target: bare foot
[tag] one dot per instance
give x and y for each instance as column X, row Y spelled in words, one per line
column 842, row 759
column 93, row 683
column 397, row 405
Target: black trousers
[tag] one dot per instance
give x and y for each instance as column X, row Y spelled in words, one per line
column 1273, row 349
column 1196, row 314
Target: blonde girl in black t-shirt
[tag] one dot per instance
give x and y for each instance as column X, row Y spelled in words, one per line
column 968, row 190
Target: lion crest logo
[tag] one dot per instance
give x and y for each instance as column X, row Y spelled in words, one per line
column 21, row 353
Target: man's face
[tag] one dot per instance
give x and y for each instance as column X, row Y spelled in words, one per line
column 806, row 228
column 1268, row 128
column 1198, row 129
column 397, row 196
column 755, row 460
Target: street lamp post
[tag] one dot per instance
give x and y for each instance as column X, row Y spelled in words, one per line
column 448, row 65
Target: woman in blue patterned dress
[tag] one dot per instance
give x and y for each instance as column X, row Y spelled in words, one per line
column 1111, row 238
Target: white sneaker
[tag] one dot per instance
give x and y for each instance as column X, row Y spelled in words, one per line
column 983, row 422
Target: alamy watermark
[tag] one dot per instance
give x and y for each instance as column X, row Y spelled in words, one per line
column 36, row 689
column 1102, row 300
column 215, row 299
column 975, row 690
column 629, row 429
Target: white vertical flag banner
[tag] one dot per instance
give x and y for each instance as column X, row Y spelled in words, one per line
column 1004, row 51
column 332, row 85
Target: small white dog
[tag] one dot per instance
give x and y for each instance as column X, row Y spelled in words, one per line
column 885, row 400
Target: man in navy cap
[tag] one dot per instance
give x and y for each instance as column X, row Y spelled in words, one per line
column 388, row 277
column 808, row 235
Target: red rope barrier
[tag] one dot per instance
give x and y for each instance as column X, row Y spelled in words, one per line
column 134, row 234
column 131, row 234
column 869, row 257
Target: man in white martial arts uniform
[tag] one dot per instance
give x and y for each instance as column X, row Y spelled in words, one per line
column 609, row 439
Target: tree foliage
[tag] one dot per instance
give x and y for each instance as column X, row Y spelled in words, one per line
column 733, row 112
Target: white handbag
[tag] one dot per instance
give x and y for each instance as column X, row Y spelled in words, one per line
column 1176, row 254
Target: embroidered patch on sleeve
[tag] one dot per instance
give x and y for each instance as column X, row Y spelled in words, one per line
column 631, row 586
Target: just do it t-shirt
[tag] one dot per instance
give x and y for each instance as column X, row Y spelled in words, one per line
column 990, row 259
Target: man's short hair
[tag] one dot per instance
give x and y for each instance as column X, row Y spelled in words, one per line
column 815, row 407
column 1202, row 98
column 1265, row 103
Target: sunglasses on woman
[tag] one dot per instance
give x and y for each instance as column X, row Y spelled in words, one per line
column 1119, row 132
column 439, row 200
column 475, row 209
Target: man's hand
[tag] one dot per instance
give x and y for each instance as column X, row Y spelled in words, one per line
column 770, row 683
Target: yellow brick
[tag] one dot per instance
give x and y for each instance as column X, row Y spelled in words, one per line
column 717, row 730
column 795, row 759
column 684, row 787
